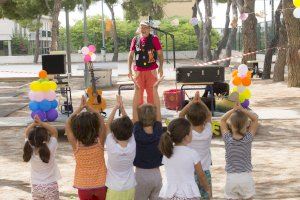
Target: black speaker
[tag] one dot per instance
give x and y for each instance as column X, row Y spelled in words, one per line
column 54, row 64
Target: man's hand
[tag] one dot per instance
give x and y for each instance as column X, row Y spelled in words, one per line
column 130, row 75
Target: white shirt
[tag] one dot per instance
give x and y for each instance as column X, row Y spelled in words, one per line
column 120, row 174
column 180, row 168
column 44, row 173
column 201, row 143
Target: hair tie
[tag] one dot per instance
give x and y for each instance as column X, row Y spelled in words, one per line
column 44, row 142
column 169, row 133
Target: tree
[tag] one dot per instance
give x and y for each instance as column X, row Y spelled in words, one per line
column 222, row 43
column 271, row 48
column 207, row 30
column 248, row 29
column 110, row 4
column 293, row 31
column 134, row 8
column 233, row 32
column 198, row 29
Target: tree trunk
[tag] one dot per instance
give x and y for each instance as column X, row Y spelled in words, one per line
column 222, row 43
column 232, row 36
column 281, row 56
column 55, row 24
column 196, row 29
column 249, row 31
column 68, row 42
column 207, row 29
column 115, row 34
column 37, row 41
column 292, row 25
column 271, row 50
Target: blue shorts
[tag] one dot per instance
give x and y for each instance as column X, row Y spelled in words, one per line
column 204, row 194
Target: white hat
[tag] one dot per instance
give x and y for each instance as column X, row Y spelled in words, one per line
column 145, row 23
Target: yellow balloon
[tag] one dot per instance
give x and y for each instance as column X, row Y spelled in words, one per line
column 242, row 97
column 234, row 89
column 246, row 94
column 53, row 85
column 35, row 86
column 45, row 86
column 296, row 3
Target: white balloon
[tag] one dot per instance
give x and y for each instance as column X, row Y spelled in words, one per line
column 85, row 50
column 242, row 70
column 194, row 21
column 93, row 57
column 296, row 13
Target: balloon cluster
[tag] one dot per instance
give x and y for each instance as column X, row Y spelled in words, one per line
column 296, row 12
column 42, row 98
column 89, row 53
column 241, row 79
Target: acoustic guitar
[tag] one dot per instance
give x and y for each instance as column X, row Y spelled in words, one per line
column 95, row 99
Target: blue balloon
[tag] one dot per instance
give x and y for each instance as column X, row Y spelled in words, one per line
column 45, row 105
column 54, row 104
column 33, row 106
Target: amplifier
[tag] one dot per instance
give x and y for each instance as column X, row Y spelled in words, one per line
column 197, row 74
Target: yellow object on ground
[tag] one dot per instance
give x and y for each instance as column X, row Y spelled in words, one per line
column 120, row 195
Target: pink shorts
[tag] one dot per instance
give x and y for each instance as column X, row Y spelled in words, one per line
column 45, row 191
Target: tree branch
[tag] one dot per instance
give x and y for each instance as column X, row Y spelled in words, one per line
column 47, row 5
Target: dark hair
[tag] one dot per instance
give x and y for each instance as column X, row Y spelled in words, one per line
column 238, row 122
column 86, row 127
column 37, row 138
column 197, row 114
column 147, row 114
column 122, row 128
column 177, row 130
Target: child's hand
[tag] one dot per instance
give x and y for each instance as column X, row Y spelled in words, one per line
column 82, row 103
column 158, row 82
column 37, row 120
column 119, row 101
column 238, row 106
column 197, row 97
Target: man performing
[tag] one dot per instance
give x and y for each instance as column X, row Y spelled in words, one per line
column 146, row 48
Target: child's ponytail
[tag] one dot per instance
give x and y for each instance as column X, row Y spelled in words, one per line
column 44, row 153
column 27, row 152
column 177, row 130
column 166, row 144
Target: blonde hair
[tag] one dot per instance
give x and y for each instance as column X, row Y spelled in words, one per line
column 239, row 122
column 147, row 114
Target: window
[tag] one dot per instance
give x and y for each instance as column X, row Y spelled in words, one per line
column 49, row 33
column 44, row 33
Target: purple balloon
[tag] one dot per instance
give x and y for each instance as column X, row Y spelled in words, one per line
column 246, row 103
column 52, row 115
column 41, row 114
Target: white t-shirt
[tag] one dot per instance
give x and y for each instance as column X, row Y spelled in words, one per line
column 180, row 168
column 44, row 173
column 201, row 143
column 120, row 174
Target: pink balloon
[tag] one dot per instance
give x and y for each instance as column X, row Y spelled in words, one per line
column 85, row 50
column 87, row 58
column 31, row 96
column 50, row 96
column 38, row 96
column 92, row 48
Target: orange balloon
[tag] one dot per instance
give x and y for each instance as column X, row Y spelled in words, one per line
column 43, row 74
column 249, row 74
column 234, row 73
column 246, row 81
column 236, row 81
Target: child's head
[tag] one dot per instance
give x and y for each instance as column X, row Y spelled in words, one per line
column 238, row 122
column 147, row 114
column 122, row 128
column 86, row 127
column 37, row 138
column 197, row 114
column 179, row 130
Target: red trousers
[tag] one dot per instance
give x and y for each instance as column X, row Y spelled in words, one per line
column 92, row 194
column 146, row 80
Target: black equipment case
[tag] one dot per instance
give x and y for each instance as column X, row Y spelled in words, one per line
column 197, row 74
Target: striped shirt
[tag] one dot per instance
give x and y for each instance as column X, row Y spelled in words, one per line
column 238, row 153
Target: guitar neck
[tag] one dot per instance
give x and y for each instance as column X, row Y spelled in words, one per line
column 93, row 78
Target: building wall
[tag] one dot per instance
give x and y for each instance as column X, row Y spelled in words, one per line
column 180, row 8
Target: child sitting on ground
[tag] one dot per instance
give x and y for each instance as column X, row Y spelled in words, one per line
column 86, row 133
column 147, row 131
column 181, row 162
column 120, row 146
column 40, row 150
column 200, row 117
column 238, row 142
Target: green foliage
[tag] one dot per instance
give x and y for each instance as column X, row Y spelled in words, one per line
column 19, row 45
column 185, row 38
column 134, row 8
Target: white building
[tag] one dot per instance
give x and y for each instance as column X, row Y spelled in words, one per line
column 9, row 27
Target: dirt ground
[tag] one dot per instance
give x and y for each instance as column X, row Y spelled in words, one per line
column 275, row 152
